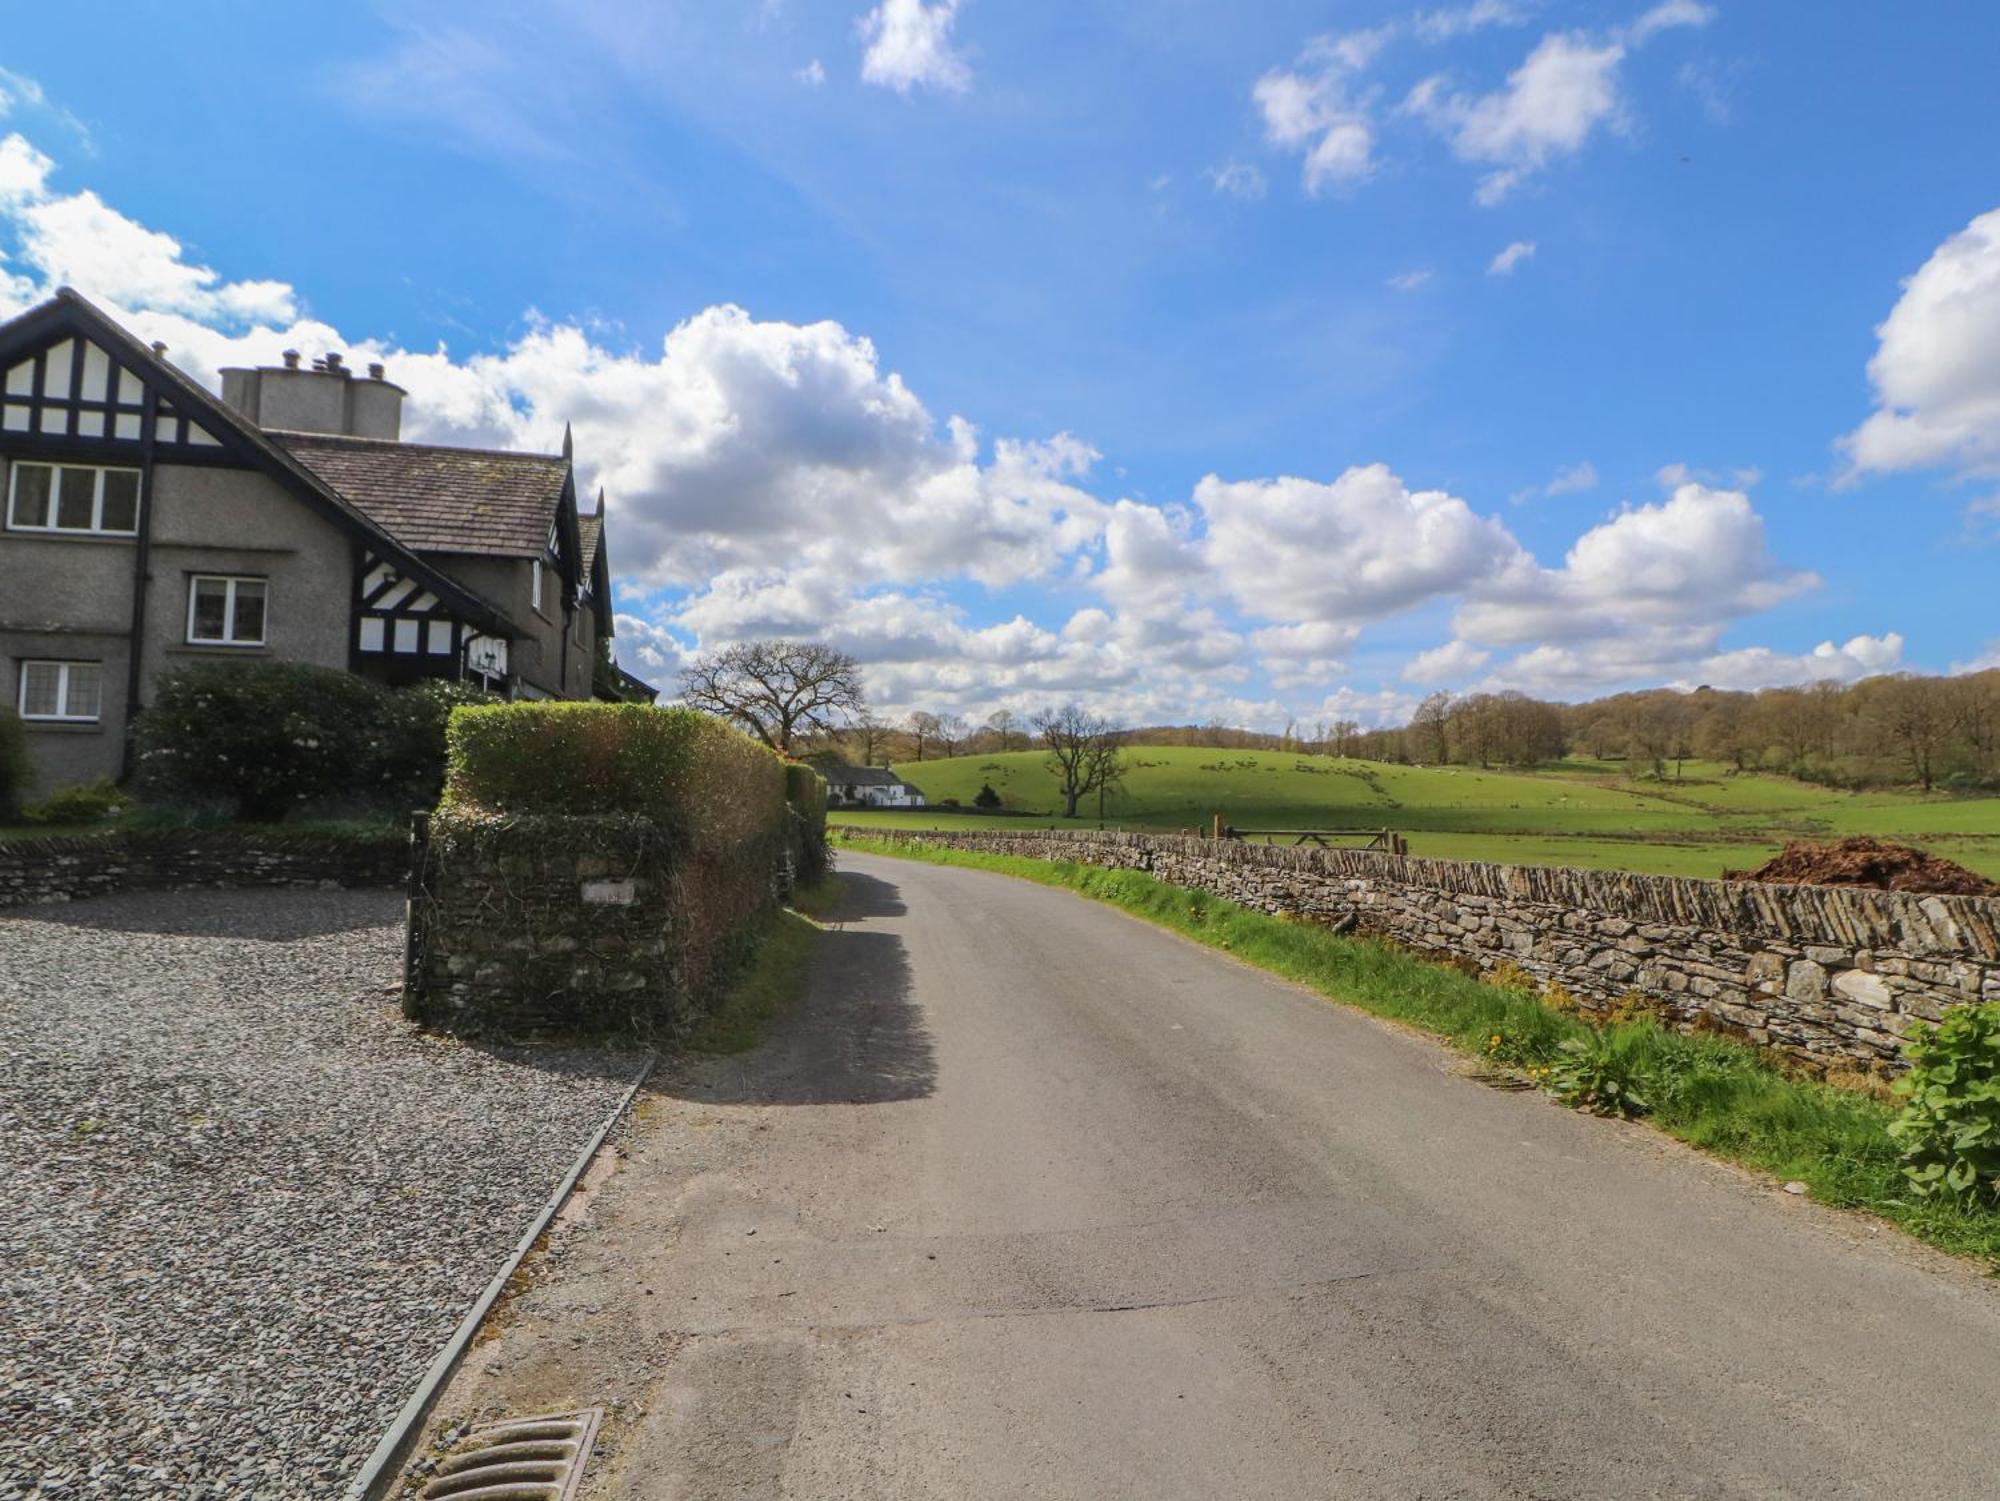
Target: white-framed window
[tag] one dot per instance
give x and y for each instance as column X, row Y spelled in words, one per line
column 535, row 583
column 79, row 498
column 226, row 611
column 62, row 692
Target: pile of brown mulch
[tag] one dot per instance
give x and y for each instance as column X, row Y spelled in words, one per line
column 1861, row 861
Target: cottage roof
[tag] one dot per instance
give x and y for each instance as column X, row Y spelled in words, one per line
column 438, row 499
column 862, row 776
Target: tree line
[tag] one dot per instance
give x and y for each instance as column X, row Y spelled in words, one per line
column 1902, row 728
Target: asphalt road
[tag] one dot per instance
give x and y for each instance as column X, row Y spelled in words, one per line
column 1033, row 1200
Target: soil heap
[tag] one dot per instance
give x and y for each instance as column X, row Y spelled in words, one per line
column 1861, row 861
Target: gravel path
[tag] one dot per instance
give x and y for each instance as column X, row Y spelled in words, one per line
column 246, row 1202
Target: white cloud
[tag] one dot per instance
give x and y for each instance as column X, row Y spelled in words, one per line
column 1449, row 663
column 1553, row 103
column 1936, row 368
column 1356, row 550
column 1504, row 263
column 1665, row 16
column 813, row 74
column 1987, row 661
column 1445, row 25
column 1239, row 180
column 24, row 172
column 1573, row 480
column 1410, row 281
column 1676, row 572
column 1760, row 667
column 1311, row 109
column 909, row 45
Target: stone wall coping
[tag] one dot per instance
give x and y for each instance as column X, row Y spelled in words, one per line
column 1848, row 916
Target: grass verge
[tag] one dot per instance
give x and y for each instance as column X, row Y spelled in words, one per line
column 1714, row 1094
column 771, row 978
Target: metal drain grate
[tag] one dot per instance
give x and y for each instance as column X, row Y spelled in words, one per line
column 527, row 1459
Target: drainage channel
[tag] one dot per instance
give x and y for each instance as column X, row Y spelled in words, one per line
column 527, row 1459
column 384, row 1467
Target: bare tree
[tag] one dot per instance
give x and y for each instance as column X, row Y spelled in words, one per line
column 776, row 690
column 1001, row 723
column 951, row 733
column 922, row 730
column 1345, row 733
column 1916, row 716
column 1085, row 753
column 1432, row 722
column 871, row 734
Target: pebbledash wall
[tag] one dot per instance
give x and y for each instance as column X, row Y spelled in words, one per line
column 71, row 867
column 1831, row 975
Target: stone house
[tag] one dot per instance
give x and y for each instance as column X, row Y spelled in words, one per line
column 148, row 523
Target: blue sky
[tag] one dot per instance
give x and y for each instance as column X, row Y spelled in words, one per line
column 1188, row 361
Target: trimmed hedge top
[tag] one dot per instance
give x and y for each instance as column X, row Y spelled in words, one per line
column 675, row 766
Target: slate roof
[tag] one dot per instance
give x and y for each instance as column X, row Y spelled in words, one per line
column 862, row 776
column 434, row 499
column 591, row 530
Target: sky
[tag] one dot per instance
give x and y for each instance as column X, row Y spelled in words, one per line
column 1188, row 359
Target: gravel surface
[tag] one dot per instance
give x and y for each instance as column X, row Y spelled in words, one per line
column 246, row 1202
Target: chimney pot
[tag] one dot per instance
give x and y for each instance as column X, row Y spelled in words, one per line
column 377, row 372
column 159, row 349
column 291, row 359
column 333, row 359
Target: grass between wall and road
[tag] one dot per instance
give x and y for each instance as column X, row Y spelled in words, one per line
column 1717, row 1095
column 771, row 979
column 1578, row 812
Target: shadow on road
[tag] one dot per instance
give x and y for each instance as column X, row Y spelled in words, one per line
column 857, row 1038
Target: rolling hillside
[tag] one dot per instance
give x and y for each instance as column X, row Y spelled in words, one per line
column 1582, row 813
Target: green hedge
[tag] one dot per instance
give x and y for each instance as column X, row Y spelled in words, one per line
column 674, row 766
column 265, row 738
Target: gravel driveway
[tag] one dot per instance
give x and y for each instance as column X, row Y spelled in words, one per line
column 246, row 1202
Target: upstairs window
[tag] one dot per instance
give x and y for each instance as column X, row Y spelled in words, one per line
column 73, row 498
column 535, row 584
column 62, row 692
column 225, row 611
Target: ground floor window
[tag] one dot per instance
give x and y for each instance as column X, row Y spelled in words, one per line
column 72, row 692
column 225, row 611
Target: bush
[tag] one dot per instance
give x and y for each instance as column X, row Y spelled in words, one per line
column 674, row 766
column 987, row 797
column 14, row 768
column 1601, row 1070
column 91, row 802
column 406, row 767
column 260, row 737
column 263, row 738
column 1950, row 1129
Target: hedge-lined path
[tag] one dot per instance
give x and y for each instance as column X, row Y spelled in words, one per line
column 246, row 1202
column 1030, row 1199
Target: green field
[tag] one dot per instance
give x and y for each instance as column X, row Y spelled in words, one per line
column 1579, row 813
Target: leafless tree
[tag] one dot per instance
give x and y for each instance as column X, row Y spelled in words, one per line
column 1001, row 723
column 871, row 734
column 1085, row 752
column 951, row 733
column 776, row 690
column 1432, row 722
column 1915, row 715
column 922, row 730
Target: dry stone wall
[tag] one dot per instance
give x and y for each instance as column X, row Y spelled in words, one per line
column 71, row 867
column 1833, row 976
column 548, row 925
